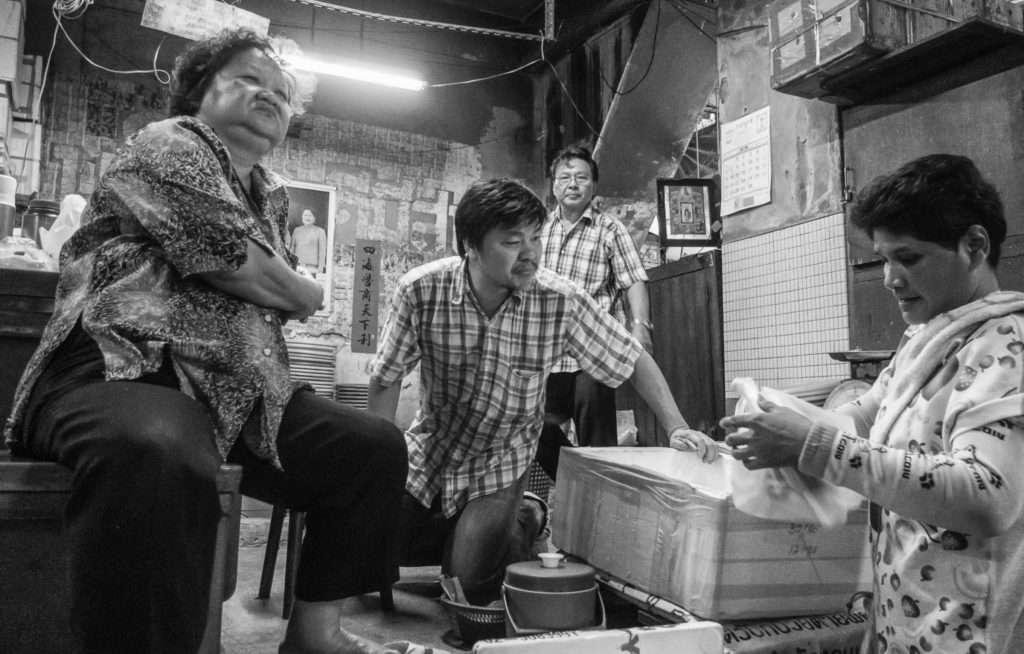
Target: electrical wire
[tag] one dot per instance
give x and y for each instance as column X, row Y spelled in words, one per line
column 646, row 72
column 568, row 95
column 700, row 28
column 489, row 77
column 643, row 76
column 650, row 63
column 162, row 76
column 97, row 37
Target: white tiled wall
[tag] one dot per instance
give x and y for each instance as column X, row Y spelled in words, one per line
column 785, row 304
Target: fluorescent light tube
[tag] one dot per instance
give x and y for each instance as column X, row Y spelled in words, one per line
column 354, row 72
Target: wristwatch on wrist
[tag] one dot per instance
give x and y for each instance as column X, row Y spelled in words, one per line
column 646, row 324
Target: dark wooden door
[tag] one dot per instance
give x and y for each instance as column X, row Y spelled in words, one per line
column 686, row 309
column 983, row 120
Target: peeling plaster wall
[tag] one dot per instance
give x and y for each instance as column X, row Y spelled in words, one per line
column 805, row 139
column 506, row 149
column 783, row 263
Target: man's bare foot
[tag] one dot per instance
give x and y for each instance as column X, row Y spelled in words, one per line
column 340, row 642
column 315, row 628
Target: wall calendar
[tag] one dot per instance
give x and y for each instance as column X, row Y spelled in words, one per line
column 746, row 162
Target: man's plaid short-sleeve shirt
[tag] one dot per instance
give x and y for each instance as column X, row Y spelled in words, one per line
column 482, row 380
column 597, row 253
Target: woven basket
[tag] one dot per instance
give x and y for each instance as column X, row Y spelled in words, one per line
column 538, row 481
column 473, row 623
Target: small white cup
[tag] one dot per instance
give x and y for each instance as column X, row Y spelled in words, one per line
column 550, row 559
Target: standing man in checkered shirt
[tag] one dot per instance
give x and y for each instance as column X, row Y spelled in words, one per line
column 486, row 329
column 596, row 251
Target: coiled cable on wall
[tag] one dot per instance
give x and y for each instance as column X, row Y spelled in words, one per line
column 70, row 9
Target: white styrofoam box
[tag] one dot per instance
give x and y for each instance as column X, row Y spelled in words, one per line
column 839, row 632
column 6, row 112
column 12, row 19
column 29, row 84
column 692, row 638
column 24, row 150
column 662, row 520
column 12, row 40
column 10, row 59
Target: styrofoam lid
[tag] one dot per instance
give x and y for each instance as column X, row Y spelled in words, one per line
column 531, row 575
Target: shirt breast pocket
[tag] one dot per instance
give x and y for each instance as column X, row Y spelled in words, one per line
column 525, row 391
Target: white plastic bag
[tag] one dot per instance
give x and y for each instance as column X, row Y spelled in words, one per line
column 785, row 494
column 70, row 217
column 23, row 253
column 625, row 426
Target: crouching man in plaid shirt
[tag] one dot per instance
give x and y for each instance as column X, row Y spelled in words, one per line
column 486, row 328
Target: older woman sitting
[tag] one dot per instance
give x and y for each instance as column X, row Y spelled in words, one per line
column 941, row 432
column 165, row 356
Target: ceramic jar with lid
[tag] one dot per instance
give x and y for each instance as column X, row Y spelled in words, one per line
column 540, row 598
column 40, row 213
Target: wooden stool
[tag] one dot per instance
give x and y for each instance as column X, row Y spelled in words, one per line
column 33, row 580
column 296, row 525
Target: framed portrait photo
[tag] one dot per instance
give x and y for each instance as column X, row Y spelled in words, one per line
column 310, row 233
column 688, row 213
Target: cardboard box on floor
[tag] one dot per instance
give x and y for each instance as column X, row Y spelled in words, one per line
column 692, row 638
column 661, row 520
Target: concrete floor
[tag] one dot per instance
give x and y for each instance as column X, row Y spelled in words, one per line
column 254, row 626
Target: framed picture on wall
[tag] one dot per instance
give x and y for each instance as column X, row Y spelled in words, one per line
column 310, row 233
column 688, row 213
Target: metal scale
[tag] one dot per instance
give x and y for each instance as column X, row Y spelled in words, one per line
column 865, row 366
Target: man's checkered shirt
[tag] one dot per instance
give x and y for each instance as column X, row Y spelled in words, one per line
column 598, row 254
column 482, row 381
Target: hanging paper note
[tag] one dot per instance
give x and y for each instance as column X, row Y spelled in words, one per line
column 197, row 19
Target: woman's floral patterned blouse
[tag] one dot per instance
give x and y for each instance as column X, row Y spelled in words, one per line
column 170, row 207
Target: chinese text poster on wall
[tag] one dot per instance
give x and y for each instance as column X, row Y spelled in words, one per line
column 366, row 296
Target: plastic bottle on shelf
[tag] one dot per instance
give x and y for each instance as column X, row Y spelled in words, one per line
column 9, row 218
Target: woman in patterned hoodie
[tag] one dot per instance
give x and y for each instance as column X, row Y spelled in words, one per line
column 940, row 434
